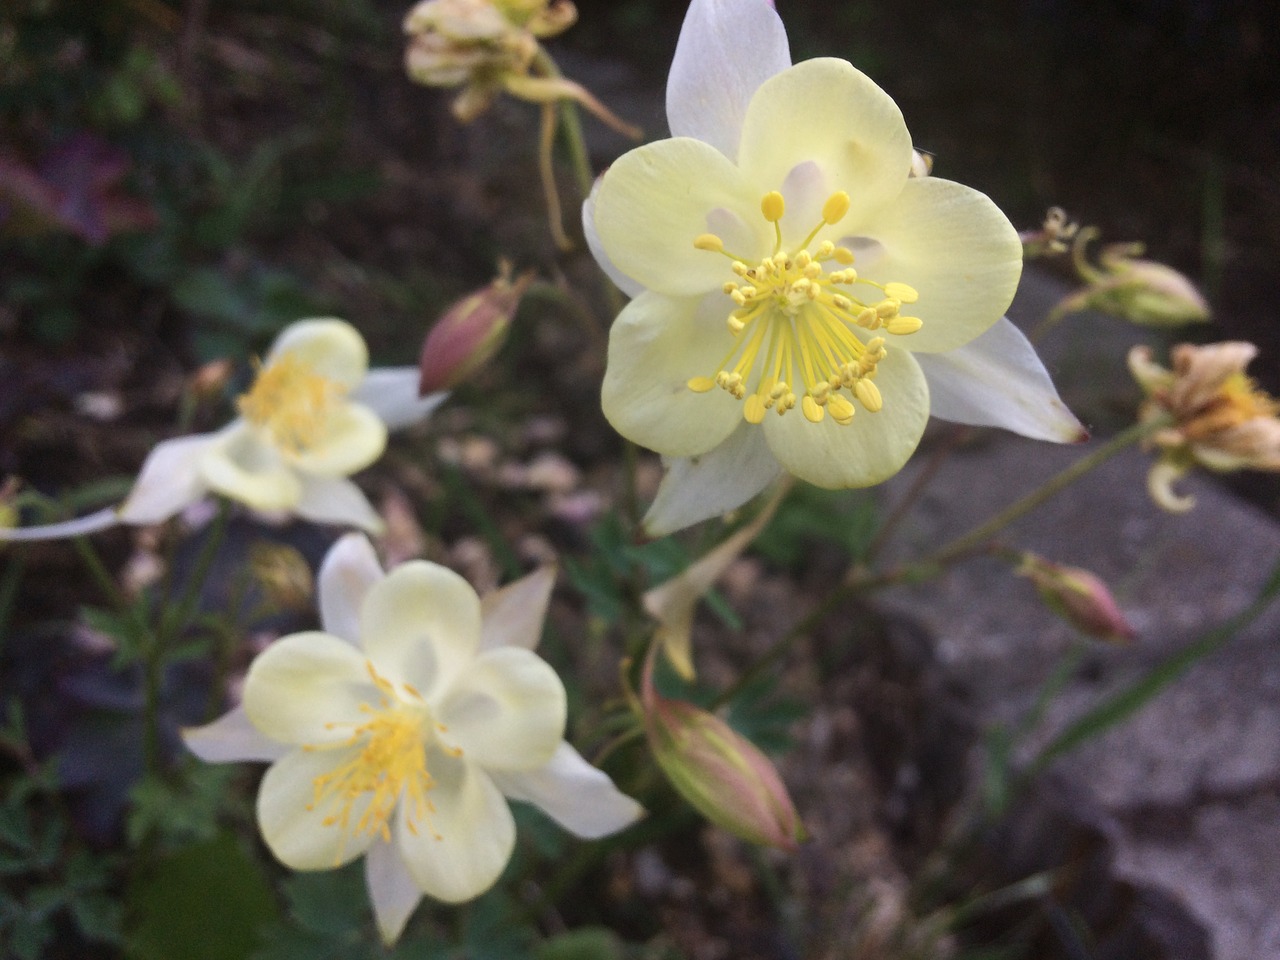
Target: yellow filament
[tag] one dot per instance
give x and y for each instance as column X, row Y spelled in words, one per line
column 291, row 401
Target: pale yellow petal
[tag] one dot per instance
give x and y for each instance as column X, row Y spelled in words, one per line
column 308, row 688
column 331, row 347
column 293, row 826
column 244, row 466
column 352, row 437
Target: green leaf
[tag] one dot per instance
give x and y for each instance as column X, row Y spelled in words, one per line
column 207, row 902
column 589, row 943
column 331, row 902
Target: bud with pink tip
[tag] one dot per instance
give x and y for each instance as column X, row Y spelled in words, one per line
column 1079, row 597
column 470, row 333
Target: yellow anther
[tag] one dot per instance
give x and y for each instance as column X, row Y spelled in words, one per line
column 901, row 291
column 813, row 271
column 753, row 409
column 843, row 255
column 735, row 325
column 701, row 384
column 740, row 268
column 868, row 395
column 836, row 207
column 867, row 318
column 840, row 408
column 887, row 308
column 841, row 302
column 778, row 390
column 825, row 249
column 709, row 242
column 811, row 409
column 738, row 297
column 901, row 326
column 773, row 206
column 803, row 259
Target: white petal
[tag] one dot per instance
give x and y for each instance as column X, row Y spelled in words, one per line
column 297, row 835
column 465, row 842
column 336, row 500
column 243, row 467
column 392, row 890
column 656, row 346
column 870, row 449
column 170, row 480
column 697, row 488
column 506, row 712
column 624, row 283
column 998, row 381
column 348, row 571
column 727, row 48
column 232, row 738
column 420, row 625
column 308, row 688
column 513, row 615
column 574, row 794
column 79, row 527
column 353, row 437
column 331, row 347
column 392, row 393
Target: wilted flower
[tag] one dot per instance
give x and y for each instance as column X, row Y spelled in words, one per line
column 314, row 415
column 722, row 775
column 470, row 332
column 1053, row 237
column 788, row 274
column 1079, row 597
column 402, row 729
column 1218, row 417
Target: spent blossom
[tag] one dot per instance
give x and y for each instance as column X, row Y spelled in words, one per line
column 801, row 303
column 400, row 731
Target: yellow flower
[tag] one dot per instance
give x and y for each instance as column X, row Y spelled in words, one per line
column 793, row 285
column 1219, row 417
column 401, row 731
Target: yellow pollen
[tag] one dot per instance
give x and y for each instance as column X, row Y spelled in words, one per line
column 291, row 401
column 1237, row 401
column 797, row 325
column 388, row 768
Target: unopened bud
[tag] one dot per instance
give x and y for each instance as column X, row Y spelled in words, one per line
column 209, row 380
column 1079, row 597
column 283, row 574
column 470, row 332
column 720, row 773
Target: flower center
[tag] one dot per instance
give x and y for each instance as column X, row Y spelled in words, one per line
column 797, row 326
column 1237, row 401
column 291, row 401
column 390, row 766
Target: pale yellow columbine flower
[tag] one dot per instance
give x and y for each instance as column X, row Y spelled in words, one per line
column 1218, row 417
column 314, row 415
column 793, row 285
column 401, row 731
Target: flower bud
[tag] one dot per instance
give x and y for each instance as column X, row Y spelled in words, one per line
column 283, row 574
column 720, row 773
column 1079, row 597
column 209, row 380
column 470, row 332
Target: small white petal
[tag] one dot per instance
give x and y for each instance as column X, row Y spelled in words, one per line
column 348, row 571
column 697, row 488
column 574, row 794
column 79, row 527
column 998, row 381
column 460, row 849
column 513, row 615
column 727, row 48
column 506, row 712
column 296, row 834
column 392, row 393
column 624, row 283
column 392, row 890
column 170, row 480
column 336, row 500
column 232, row 738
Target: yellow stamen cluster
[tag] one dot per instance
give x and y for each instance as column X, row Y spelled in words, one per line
column 291, row 401
column 794, row 325
column 391, row 764
column 1237, row 401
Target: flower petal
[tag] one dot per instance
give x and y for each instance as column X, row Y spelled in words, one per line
column 353, row 438
column 307, row 688
column 232, row 738
column 331, row 347
column 506, row 712
column 657, row 199
column 620, row 279
column 103, row 519
column 348, row 572
column 574, row 794
column 392, row 890
column 513, row 615
column 696, row 488
column 420, row 625
column 465, row 844
column 997, row 380
column 867, row 451
column 392, row 393
column 655, row 346
column 292, row 823
column 826, row 112
column 170, row 480
column 336, row 500
column 241, row 466
column 727, row 48
column 958, row 250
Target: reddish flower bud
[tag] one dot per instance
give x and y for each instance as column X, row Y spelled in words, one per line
column 470, row 332
column 1079, row 597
